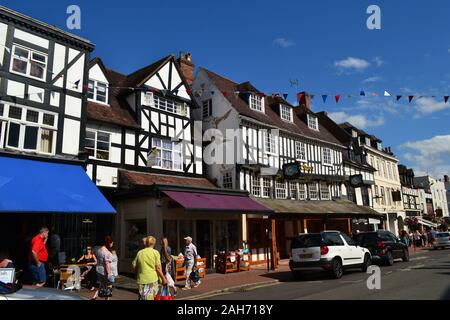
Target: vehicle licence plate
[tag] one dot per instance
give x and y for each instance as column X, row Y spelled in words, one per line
column 306, row 256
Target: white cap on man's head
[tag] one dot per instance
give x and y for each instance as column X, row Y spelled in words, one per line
column 188, row 238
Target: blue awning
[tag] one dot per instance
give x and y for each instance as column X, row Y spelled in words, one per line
column 30, row 186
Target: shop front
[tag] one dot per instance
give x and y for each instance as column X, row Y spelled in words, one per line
column 57, row 195
column 293, row 217
column 179, row 207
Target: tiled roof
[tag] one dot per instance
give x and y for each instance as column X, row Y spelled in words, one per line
column 137, row 78
column 271, row 114
column 128, row 179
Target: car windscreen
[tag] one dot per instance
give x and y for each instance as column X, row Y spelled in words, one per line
column 443, row 235
column 307, row 241
column 366, row 239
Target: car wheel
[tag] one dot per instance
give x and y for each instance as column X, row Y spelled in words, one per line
column 337, row 270
column 367, row 262
column 296, row 275
column 405, row 257
column 389, row 258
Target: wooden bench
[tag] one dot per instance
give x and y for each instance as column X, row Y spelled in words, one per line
column 180, row 270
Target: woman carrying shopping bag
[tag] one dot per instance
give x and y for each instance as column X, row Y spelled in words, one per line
column 147, row 265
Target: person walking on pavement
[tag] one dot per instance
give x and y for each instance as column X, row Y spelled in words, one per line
column 38, row 258
column 432, row 237
column 147, row 265
column 190, row 257
column 104, row 270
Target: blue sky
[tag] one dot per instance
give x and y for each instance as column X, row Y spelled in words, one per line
column 324, row 44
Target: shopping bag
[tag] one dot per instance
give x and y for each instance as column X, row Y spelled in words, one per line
column 164, row 294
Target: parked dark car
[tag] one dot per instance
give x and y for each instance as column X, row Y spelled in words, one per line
column 384, row 246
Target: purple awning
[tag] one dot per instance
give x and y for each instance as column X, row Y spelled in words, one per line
column 216, row 202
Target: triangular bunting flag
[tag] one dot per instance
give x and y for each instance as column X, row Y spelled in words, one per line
column 76, row 83
column 236, row 94
column 176, row 92
column 225, row 93
column 349, row 96
column 337, row 97
column 85, row 88
column 399, row 97
column 164, row 92
column 374, row 94
column 188, row 91
column 144, row 90
column 410, row 98
column 324, row 97
column 285, row 95
column 362, row 93
column 212, row 92
column 40, row 95
column 446, row 99
column 386, row 94
column 261, row 94
column 311, row 96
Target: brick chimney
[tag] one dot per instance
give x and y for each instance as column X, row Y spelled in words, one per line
column 186, row 66
column 446, row 179
column 303, row 100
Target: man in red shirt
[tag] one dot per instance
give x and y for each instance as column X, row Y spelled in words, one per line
column 38, row 258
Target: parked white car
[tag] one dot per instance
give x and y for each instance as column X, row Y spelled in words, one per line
column 34, row 293
column 329, row 250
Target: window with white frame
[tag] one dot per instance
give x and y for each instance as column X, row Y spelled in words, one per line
column 270, row 142
column 267, row 187
column 169, row 154
column 313, row 191
column 301, row 191
column 227, row 181
column 286, row 113
column 324, row 191
column 98, row 144
column 256, row 103
column 170, row 106
column 326, row 156
column 300, row 150
column 256, row 186
column 26, row 129
column 207, row 108
column 29, row 62
column 382, row 199
column 313, row 122
column 97, row 91
column 293, row 192
column 280, row 190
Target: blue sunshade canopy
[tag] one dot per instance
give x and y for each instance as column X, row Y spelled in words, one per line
column 45, row 187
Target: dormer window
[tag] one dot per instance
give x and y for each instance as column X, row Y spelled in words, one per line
column 379, row 146
column 286, row 113
column 354, row 134
column 98, row 91
column 256, row 103
column 367, row 141
column 313, row 122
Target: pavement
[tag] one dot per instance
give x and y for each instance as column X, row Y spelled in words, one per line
column 223, row 286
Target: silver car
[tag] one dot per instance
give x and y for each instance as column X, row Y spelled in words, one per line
column 35, row 293
column 442, row 240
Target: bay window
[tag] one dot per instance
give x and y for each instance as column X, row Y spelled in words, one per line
column 169, row 154
column 26, row 129
column 170, row 106
column 29, row 62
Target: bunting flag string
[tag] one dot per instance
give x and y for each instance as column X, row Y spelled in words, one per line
column 446, row 99
column 337, row 97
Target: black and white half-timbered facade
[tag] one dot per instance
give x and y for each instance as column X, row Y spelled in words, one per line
column 270, row 133
column 359, row 174
column 43, row 71
column 145, row 152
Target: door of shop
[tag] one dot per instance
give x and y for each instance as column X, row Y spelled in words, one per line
column 204, row 240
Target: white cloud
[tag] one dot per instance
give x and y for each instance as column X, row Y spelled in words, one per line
column 378, row 61
column 372, row 79
column 352, row 63
column 429, row 156
column 428, row 105
column 358, row 120
column 283, row 42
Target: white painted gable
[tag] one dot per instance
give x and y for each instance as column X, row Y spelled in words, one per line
column 96, row 73
column 175, row 77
